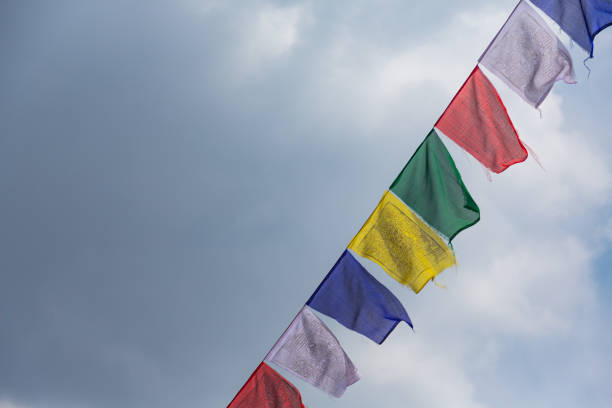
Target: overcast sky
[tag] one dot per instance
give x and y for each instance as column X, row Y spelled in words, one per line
column 178, row 176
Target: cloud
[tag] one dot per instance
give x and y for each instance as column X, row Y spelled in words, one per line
column 534, row 287
column 271, row 33
column 427, row 375
column 203, row 7
column 372, row 83
column 201, row 205
column 438, row 61
column 9, row 404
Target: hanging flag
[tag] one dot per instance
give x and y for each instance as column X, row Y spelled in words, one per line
column 309, row 350
column 402, row 244
column 582, row 20
column 431, row 185
column 476, row 120
column 357, row 300
column 599, row 16
column 267, row 389
column 527, row 55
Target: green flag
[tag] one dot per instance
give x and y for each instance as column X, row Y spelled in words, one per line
column 431, row 185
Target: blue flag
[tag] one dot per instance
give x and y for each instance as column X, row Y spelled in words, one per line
column 358, row 301
column 582, row 20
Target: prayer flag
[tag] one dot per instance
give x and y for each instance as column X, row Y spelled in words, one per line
column 309, row 350
column 582, row 20
column 476, row 120
column 527, row 55
column 598, row 15
column 431, row 186
column 352, row 296
column 267, row 389
column 402, row 244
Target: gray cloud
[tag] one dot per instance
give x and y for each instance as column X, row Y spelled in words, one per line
column 168, row 203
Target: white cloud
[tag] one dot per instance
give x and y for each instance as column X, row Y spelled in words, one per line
column 370, row 83
column 534, row 287
column 427, row 375
column 444, row 60
column 270, row 33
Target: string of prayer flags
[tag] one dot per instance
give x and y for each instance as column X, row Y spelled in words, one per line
column 352, row 296
column 432, row 186
column 528, row 56
column 267, row 389
column 477, row 120
column 407, row 248
column 409, row 232
column 309, row 350
column 582, row 20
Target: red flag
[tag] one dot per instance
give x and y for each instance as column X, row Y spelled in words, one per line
column 267, row 389
column 477, row 120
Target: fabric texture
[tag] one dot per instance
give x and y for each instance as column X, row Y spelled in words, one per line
column 598, row 15
column 476, row 119
column 582, row 20
column 309, row 350
column 570, row 17
column 527, row 55
column 402, row 244
column 431, row 186
column 267, row 389
column 352, row 296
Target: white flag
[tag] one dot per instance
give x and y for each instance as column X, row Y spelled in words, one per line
column 527, row 55
column 309, row 350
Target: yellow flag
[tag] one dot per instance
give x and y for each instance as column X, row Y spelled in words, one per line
column 402, row 244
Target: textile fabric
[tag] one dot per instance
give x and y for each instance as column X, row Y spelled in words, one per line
column 309, row 350
column 431, row 186
column 352, row 296
column 402, row 244
column 598, row 15
column 476, row 120
column 267, row 389
column 527, row 55
column 582, row 20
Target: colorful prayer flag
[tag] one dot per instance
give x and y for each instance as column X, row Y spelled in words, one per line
column 402, row 244
column 352, row 296
column 598, row 15
column 527, row 55
column 267, row 389
column 431, row 186
column 309, row 350
column 582, row 20
column 476, row 120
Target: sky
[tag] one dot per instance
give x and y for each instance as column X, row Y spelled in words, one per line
column 178, row 177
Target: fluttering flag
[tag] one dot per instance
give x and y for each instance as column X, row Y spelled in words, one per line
column 582, row 20
column 528, row 56
column 476, row 120
column 402, row 244
column 352, row 296
column 267, row 389
column 432, row 186
column 309, row 350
